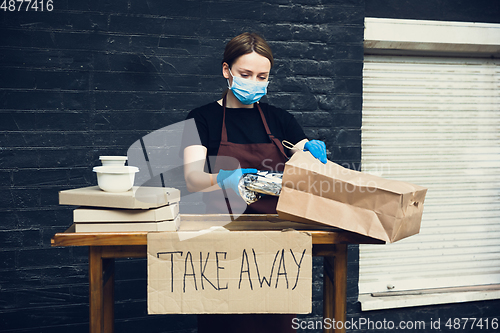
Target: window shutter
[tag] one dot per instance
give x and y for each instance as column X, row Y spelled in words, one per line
column 435, row 122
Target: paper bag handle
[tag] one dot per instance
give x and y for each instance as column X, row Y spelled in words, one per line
column 287, row 144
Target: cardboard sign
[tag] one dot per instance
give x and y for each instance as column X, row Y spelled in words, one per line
column 381, row 208
column 230, row 272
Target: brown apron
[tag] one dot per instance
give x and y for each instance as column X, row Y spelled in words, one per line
column 261, row 156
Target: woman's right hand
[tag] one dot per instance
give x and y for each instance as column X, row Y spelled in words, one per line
column 317, row 149
column 231, row 178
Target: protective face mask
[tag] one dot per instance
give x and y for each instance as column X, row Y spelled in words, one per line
column 247, row 91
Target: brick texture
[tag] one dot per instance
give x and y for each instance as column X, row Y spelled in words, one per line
column 92, row 77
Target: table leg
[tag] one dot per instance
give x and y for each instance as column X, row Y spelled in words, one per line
column 101, row 291
column 109, row 294
column 328, row 292
column 96, row 292
column 340, row 284
column 334, row 288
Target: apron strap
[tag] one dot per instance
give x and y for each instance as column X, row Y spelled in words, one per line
column 273, row 139
column 223, row 136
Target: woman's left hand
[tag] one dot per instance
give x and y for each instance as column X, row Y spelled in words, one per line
column 317, row 148
column 231, row 178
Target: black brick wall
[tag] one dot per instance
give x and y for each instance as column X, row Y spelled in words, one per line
column 92, row 77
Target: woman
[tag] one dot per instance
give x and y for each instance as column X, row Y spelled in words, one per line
column 246, row 136
column 239, row 127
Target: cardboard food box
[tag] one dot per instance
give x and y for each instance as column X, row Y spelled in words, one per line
column 230, row 272
column 137, row 198
column 380, row 208
column 96, row 214
column 171, row 225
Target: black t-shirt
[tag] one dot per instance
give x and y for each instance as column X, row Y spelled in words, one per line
column 243, row 125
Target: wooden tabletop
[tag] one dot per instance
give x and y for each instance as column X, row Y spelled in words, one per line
column 321, row 234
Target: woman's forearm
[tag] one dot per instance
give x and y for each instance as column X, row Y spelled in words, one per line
column 199, row 181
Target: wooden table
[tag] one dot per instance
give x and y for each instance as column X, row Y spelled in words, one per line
column 104, row 247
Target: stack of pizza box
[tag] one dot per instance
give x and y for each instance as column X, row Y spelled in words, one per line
column 140, row 209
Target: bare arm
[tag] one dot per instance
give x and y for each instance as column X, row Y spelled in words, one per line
column 197, row 180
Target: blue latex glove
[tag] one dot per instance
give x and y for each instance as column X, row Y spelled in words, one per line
column 317, row 149
column 230, row 178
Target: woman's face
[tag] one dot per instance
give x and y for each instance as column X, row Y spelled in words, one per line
column 250, row 66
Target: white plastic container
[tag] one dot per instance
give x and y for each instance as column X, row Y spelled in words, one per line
column 113, row 160
column 115, row 179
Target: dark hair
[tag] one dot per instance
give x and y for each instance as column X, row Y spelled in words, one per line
column 245, row 43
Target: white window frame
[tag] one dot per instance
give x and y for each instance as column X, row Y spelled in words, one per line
column 427, row 37
column 421, row 37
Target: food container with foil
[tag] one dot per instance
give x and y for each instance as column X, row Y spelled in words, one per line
column 253, row 186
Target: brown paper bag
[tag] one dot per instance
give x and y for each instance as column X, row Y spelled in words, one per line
column 331, row 194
